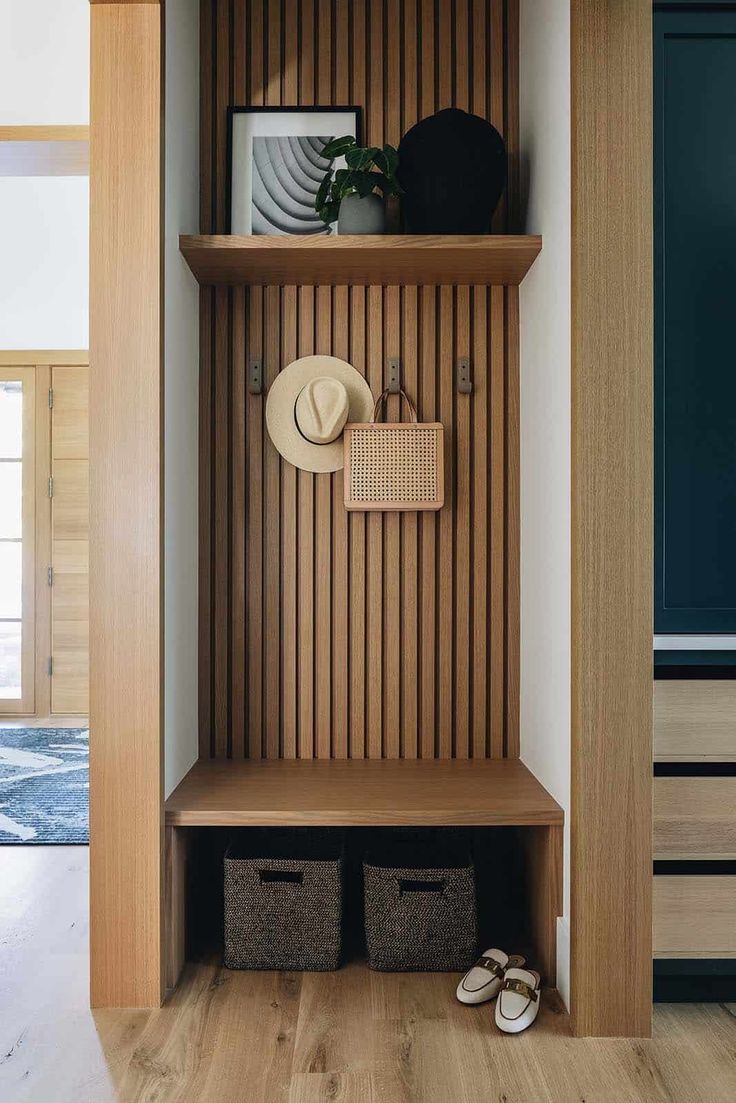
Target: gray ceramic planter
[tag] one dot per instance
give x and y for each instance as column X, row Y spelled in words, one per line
column 361, row 215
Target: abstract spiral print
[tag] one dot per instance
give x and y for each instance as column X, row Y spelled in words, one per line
column 286, row 175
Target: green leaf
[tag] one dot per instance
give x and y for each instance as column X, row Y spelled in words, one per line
column 365, row 182
column 392, row 160
column 329, row 212
column 338, row 147
column 359, row 158
column 322, row 192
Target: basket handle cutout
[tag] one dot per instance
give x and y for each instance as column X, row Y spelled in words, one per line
column 280, row 876
column 406, row 885
column 382, row 398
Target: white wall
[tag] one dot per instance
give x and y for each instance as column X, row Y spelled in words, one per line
column 544, row 33
column 44, row 221
column 44, row 62
column 181, row 393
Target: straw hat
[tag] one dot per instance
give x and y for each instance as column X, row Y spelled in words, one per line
column 309, row 403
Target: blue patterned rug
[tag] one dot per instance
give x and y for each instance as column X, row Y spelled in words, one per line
column 44, row 786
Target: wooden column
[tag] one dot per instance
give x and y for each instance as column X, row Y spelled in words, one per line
column 611, row 858
column 125, row 506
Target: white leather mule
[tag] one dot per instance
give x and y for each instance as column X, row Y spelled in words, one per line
column 483, row 980
column 518, row 1002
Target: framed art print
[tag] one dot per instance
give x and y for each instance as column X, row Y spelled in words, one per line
column 275, row 165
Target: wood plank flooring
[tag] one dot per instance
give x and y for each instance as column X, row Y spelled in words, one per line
column 345, row 1037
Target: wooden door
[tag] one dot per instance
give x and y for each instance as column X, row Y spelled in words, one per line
column 70, row 540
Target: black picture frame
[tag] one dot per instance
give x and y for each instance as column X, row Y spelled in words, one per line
column 281, row 109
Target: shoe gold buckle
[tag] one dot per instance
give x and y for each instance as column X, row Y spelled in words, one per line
column 512, row 984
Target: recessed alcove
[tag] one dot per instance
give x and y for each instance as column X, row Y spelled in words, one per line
column 360, row 671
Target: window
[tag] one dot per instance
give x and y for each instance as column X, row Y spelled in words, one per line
column 16, row 540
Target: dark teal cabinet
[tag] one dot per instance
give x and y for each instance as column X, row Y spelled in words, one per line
column 695, row 319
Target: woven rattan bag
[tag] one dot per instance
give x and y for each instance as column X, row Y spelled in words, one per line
column 394, row 465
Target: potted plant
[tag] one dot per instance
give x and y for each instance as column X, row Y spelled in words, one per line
column 348, row 195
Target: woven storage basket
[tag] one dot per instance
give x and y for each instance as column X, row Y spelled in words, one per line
column 283, row 900
column 420, row 916
column 394, row 465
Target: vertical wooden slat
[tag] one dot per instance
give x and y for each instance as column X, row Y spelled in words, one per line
column 427, row 605
column 289, row 685
column 392, row 564
column 409, row 548
column 410, row 65
column 273, row 53
column 445, row 541
column 237, row 529
column 481, row 370
column 357, row 526
column 462, row 55
column 238, row 647
column 374, row 552
column 271, row 542
column 463, row 504
column 254, row 522
column 221, row 547
column 340, row 546
column 445, row 68
column 496, row 95
column 289, row 496
column 496, row 420
column 323, row 561
column 305, row 565
column 427, row 74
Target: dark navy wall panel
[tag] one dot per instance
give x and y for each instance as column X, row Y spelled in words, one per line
column 695, row 321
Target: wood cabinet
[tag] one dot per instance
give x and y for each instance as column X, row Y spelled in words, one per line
column 694, row 818
column 695, row 916
column 695, row 384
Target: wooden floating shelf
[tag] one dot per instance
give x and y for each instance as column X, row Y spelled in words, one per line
column 360, row 260
column 360, row 792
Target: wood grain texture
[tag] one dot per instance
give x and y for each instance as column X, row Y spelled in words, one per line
column 69, row 594
column 543, row 848
column 323, row 634
column 695, row 817
column 386, row 259
column 694, row 720
column 125, row 507
column 44, row 134
column 355, row 1036
column 176, row 846
column 43, row 540
column 33, row 357
column 343, row 792
column 611, row 70
column 694, row 916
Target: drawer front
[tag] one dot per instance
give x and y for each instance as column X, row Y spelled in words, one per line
column 694, row 916
column 695, row 817
column 695, row 720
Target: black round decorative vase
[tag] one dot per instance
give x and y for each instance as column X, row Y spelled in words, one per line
column 452, row 168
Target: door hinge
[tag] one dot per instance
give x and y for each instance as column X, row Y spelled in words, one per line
column 50, row 575
column 51, row 398
column 51, row 665
column 51, row 486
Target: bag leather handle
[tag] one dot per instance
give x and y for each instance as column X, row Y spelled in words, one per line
column 382, row 398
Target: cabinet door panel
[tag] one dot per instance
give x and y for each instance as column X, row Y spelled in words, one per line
column 695, row 291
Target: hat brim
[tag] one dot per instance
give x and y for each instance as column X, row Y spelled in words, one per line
column 281, row 401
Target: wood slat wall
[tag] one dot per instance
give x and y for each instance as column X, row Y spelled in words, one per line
column 323, row 634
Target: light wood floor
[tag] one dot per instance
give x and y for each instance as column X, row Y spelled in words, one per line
column 346, row 1037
